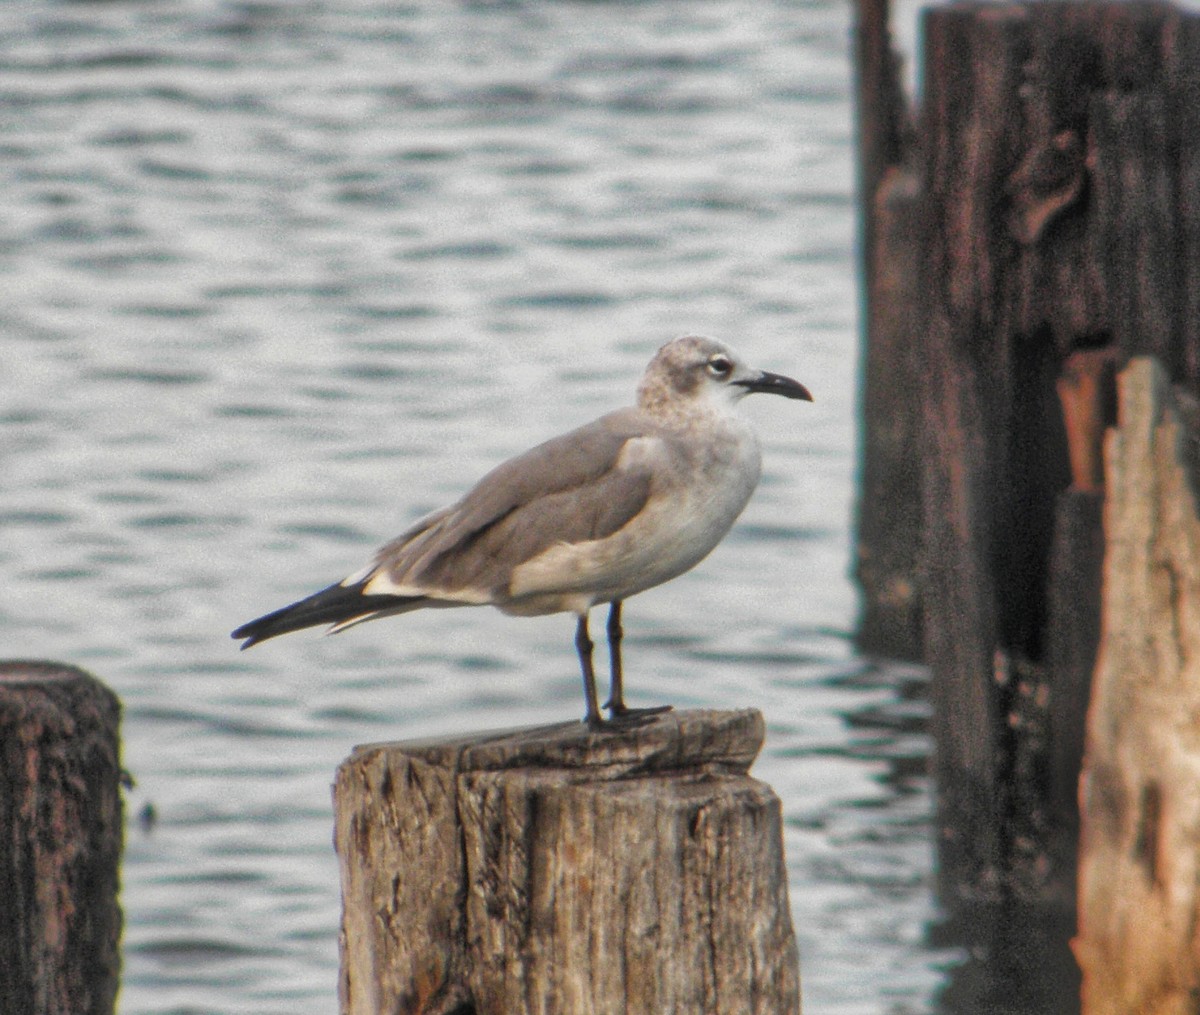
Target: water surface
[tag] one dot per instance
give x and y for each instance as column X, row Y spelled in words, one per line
column 281, row 277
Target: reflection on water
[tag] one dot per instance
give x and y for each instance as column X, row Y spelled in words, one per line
column 1018, row 961
column 282, row 277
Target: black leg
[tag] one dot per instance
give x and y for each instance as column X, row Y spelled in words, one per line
column 616, row 699
column 583, row 645
column 616, row 686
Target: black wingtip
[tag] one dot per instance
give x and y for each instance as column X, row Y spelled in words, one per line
column 308, row 612
column 256, row 630
column 333, row 605
column 248, row 640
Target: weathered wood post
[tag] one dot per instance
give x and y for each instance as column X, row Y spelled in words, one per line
column 1139, row 887
column 556, row 870
column 60, row 841
column 1056, row 167
column 889, row 524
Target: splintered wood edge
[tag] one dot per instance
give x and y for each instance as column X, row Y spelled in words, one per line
column 727, row 740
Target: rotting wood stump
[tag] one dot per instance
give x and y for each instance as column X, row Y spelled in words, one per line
column 1139, row 877
column 560, row 870
column 60, row 841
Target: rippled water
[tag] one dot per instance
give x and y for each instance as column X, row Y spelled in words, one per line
column 281, row 277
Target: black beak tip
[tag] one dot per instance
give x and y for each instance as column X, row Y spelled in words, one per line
column 802, row 392
column 777, row 384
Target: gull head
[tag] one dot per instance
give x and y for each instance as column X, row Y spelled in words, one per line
column 694, row 372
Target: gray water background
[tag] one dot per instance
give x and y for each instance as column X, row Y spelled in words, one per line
column 281, row 277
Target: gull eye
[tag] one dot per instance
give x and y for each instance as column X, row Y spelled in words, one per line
column 720, row 366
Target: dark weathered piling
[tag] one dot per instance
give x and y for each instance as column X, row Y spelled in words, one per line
column 557, row 870
column 1055, row 167
column 889, row 505
column 60, row 841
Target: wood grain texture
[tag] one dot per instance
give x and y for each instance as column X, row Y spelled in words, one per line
column 1139, row 884
column 559, row 870
column 60, row 841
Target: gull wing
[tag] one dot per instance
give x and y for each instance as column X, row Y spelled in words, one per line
column 571, row 489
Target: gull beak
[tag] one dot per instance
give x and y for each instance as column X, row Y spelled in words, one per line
column 776, row 384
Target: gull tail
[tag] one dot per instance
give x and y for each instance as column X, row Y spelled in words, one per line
column 339, row 605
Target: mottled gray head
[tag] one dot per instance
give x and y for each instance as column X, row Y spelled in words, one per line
column 692, row 369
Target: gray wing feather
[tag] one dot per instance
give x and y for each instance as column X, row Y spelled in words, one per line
column 565, row 490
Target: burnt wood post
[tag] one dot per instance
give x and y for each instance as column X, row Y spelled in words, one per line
column 1057, row 163
column 1139, row 889
column 60, row 841
column 557, row 870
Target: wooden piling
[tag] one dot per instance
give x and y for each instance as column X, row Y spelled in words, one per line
column 889, row 513
column 60, row 841
column 1054, row 166
column 558, row 869
column 1139, row 889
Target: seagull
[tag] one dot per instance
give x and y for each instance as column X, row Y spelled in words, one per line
column 624, row 503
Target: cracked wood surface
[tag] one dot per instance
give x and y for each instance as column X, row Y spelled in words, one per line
column 559, row 870
column 1139, row 877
